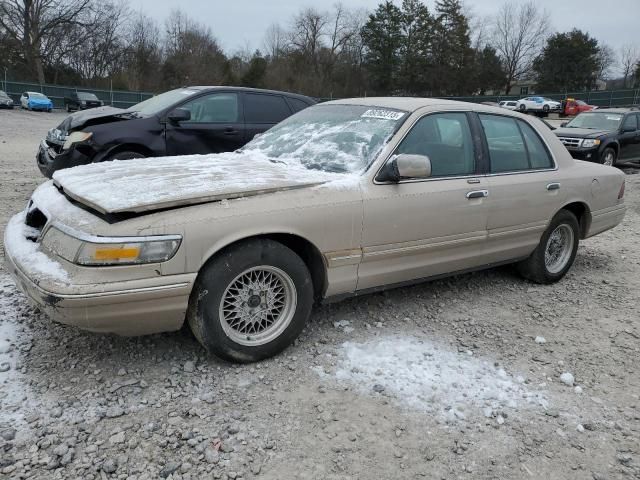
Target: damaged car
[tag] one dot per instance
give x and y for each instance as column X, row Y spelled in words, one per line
column 344, row 198
column 184, row 121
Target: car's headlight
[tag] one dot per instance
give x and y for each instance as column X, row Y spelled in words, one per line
column 588, row 143
column 96, row 251
column 76, row 137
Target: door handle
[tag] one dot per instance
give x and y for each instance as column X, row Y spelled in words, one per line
column 230, row 131
column 477, row 194
column 553, row 186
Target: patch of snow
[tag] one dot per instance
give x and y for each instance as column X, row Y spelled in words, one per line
column 540, row 340
column 433, row 378
column 567, row 379
column 27, row 253
column 577, row 389
column 158, row 181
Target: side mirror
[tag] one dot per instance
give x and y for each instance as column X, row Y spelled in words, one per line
column 563, row 124
column 405, row 165
column 179, row 115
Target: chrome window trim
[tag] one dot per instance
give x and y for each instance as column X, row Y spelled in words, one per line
column 85, row 237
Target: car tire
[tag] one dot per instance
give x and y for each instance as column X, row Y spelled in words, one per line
column 522, row 108
column 555, row 253
column 124, row 155
column 222, row 302
column 608, row 157
column 68, row 108
column 545, row 108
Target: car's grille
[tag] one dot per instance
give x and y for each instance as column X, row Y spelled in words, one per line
column 36, row 220
column 571, row 142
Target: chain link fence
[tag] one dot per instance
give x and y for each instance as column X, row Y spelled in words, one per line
column 115, row 98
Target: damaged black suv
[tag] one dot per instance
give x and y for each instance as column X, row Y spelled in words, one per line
column 609, row 136
column 190, row 120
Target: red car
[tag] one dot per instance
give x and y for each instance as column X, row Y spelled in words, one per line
column 573, row 107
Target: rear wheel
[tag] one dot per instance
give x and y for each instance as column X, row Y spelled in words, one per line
column 555, row 253
column 608, row 157
column 251, row 301
column 522, row 108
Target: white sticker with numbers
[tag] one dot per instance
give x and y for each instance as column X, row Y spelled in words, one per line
column 383, row 114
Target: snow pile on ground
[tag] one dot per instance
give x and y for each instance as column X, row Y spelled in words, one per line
column 27, row 253
column 433, row 378
column 13, row 392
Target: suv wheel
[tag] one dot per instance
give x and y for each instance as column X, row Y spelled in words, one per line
column 608, row 157
column 555, row 253
column 251, row 301
column 124, row 155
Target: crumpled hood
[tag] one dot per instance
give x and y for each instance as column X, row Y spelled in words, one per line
column 148, row 184
column 580, row 132
column 95, row 115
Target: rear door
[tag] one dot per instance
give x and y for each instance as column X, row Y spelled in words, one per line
column 630, row 140
column 525, row 191
column 262, row 111
column 216, row 125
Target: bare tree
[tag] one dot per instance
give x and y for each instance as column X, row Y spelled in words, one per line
column 33, row 22
column 629, row 58
column 275, row 41
column 606, row 61
column 143, row 53
column 308, row 30
column 519, row 33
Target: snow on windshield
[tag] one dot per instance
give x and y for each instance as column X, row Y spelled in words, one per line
column 332, row 138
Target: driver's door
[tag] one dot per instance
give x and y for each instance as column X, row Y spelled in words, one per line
column 420, row 228
column 216, row 125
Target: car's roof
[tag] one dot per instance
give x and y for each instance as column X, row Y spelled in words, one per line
column 409, row 104
column 247, row 89
column 39, row 93
column 613, row 110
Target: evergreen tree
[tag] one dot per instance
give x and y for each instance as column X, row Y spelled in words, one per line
column 568, row 62
column 489, row 72
column 416, row 45
column 382, row 38
column 453, row 55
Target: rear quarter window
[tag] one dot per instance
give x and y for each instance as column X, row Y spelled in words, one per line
column 261, row 108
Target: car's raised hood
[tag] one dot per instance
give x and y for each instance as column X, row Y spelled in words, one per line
column 92, row 116
column 148, row 184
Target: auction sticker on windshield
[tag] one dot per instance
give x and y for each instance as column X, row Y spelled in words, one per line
column 383, row 114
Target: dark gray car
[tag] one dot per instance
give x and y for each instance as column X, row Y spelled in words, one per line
column 5, row 100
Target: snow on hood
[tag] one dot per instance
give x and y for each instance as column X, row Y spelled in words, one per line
column 153, row 183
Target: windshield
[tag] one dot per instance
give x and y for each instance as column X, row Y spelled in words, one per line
column 331, row 138
column 596, row 121
column 86, row 96
column 37, row 95
column 156, row 104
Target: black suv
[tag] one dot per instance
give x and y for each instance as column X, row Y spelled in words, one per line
column 81, row 101
column 190, row 120
column 608, row 136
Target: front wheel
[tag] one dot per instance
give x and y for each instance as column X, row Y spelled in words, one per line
column 251, row 301
column 555, row 253
column 124, row 155
column 522, row 108
column 608, row 157
column 545, row 108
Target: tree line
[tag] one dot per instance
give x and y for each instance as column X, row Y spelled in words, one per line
column 397, row 49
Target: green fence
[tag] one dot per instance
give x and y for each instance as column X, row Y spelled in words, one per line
column 116, row 98
column 601, row 98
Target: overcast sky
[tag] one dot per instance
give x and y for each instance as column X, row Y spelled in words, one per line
column 241, row 23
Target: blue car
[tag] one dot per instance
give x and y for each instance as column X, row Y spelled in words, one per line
column 36, row 101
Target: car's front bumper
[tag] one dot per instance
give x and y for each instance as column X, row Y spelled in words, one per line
column 123, row 307
column 50, row 161
column 587, row 154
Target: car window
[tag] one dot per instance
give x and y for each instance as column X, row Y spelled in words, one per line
column 297, row 104
column 213, row 108
column 446, row 139
column 507, row 150
column 630, row 122
column 539, row 156
column 260, row 108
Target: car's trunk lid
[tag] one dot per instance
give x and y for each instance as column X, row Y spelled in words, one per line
column 144, row 185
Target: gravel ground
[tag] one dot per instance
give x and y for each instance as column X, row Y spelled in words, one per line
column 478, row 376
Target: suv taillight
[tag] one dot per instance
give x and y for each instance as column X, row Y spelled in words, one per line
column 621, row 192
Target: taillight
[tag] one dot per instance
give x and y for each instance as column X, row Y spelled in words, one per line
column 621, row 192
